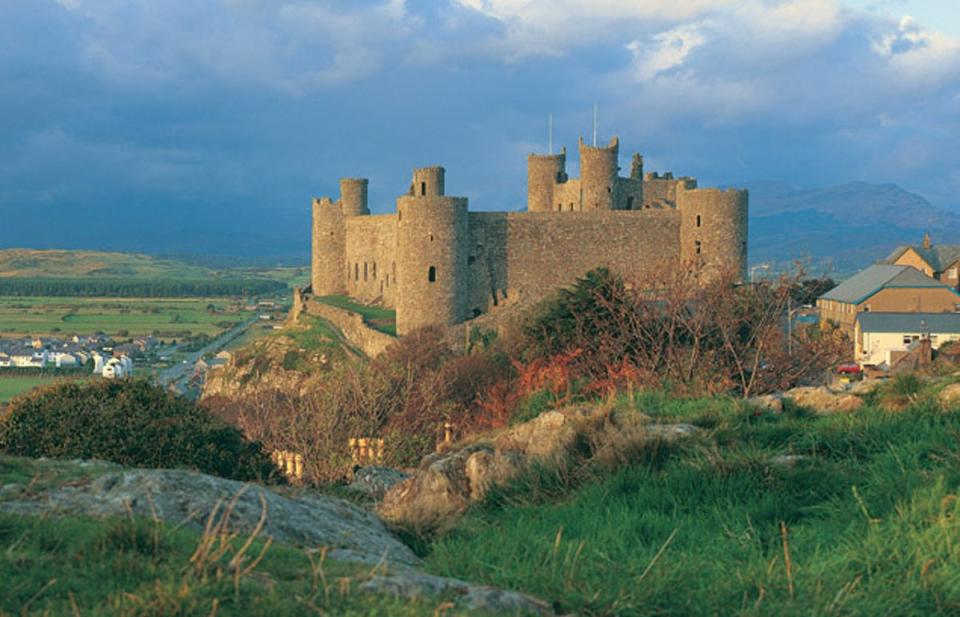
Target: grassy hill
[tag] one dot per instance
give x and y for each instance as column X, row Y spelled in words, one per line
column 763, row 514
column 30, row 263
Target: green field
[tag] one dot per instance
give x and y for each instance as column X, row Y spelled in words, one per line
column 12, row 386
column 174, row 317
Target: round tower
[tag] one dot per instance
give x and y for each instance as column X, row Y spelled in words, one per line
column 544, row 171
column 427, row 181
column 432, row 238
column 713, row 230
column 598, row 175
column 353, row 196
column 329, row 249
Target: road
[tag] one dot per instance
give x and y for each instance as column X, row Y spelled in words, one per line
column 178, row 374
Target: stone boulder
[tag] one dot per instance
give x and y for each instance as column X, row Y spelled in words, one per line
column 374, row 482
column 950, row 396
column 414, row 585
column 767, row 402
column 822, row 400
column 177, row 497
column 446, row 484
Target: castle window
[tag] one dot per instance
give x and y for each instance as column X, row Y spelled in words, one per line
column 571, row 206
column 559, row 207
column 431, row 237
column 629, row 203
column 356, row 271
column 364, row 270
column 432, row 274
column 423, row 188
column 374, row 270
column 697, row 245
column 698, row 220
column 743, row 247
column 609, row 189
column 388, row 280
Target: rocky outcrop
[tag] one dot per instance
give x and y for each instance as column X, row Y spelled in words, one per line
column 950, row 396
column 414, row 585
column 823, row 400
column 184, row 497
column 446, row 484
column 374, row 482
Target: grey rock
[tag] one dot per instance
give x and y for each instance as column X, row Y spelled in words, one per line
column 412, row 585
column 177, row 497
column 374, row 481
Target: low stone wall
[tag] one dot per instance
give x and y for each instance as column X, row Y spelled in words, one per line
column 359, row 334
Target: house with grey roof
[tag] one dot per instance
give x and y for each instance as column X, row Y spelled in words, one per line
column 880, row 337
column 941, row 262
column 886, row 288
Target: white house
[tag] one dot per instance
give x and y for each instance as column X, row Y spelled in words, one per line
column 878, row 335
column 118, row 368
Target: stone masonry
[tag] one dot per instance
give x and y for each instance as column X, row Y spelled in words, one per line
column 438, row 263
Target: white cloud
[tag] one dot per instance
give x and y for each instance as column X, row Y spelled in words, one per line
column 920, row 55
column 668, row 50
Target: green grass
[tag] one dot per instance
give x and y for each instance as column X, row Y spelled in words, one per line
column 378, row 318
column 76, row 566
column 29, row 263
column 15, row 385
column 32, row 316
column 872, row 518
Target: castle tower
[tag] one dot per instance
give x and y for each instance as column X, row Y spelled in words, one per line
column 353, row 196
column 598, row 175
column 329, row 248
column 432, row 238
column 543, row 172
column 713, row 230
column 427, row 181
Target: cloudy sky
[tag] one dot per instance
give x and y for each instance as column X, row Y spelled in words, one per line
column 145, row 118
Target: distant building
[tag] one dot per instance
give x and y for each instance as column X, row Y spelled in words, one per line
column 881, row 337
column 941, row 262
column 885, row 288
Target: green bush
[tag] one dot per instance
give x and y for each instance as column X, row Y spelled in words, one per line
column 131, row 422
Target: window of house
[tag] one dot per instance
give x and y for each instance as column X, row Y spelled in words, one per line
column 866, row 308
column 906, row 339
column 952, row 273
column 432, row 274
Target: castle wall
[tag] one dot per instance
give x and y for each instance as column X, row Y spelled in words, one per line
column 567, row 197
column 370, row 267
column 661, row 191
column 629, row 194
column 527, row 255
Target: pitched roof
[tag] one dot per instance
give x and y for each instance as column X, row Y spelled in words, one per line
column 933, row 323
column 939, row 256
column 867, row 282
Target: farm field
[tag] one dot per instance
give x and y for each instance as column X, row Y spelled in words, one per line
column 169, row 318
column 15, row 385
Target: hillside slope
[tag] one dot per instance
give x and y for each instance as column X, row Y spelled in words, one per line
column 845, row 227
column 31, row 263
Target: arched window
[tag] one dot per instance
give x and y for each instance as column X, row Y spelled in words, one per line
column 432, row 274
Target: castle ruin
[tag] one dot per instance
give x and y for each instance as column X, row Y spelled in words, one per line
column 435, row 262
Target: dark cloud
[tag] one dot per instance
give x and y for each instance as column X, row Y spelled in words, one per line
column 206, row 125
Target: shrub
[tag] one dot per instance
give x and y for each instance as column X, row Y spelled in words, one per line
column 131, row 422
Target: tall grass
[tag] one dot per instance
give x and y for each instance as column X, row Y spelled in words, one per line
column 865, row 512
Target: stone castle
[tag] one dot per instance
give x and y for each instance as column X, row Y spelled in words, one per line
column 435, row 262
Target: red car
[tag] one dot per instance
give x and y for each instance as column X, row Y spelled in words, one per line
column 849, row 368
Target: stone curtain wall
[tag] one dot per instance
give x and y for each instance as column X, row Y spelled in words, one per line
column 527, row 255
column 360, row 335
column 371, row 258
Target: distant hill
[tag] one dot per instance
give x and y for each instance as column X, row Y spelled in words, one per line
column 844, row 227
column 30, row 263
